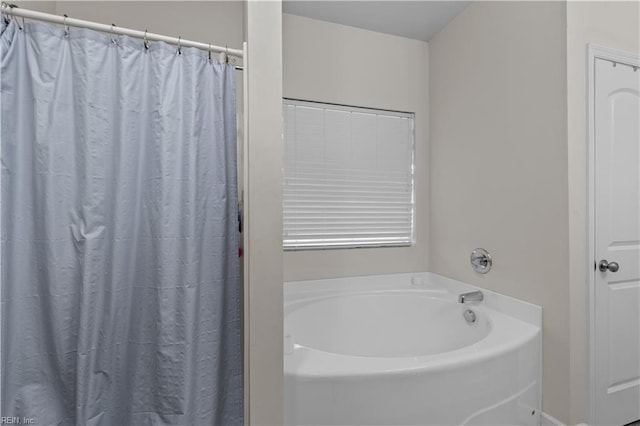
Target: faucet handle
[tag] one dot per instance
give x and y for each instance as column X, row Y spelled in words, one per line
column 481, row 260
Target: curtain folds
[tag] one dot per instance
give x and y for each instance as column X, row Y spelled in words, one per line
column 120, row 272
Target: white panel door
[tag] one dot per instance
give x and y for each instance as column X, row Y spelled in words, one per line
column 617, row 242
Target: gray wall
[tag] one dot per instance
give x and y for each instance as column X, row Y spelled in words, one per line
column 345, row 65
column 499, row 163
column 218, row 22
column 263, row 216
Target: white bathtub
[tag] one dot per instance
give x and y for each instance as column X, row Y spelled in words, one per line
column 396, row 350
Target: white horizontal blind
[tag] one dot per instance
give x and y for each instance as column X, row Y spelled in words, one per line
column 348, row 176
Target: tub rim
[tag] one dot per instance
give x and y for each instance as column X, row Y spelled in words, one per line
column 295, row 305
column 505, row 334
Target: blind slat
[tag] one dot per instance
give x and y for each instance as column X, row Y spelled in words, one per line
column 363, row 209
column 336, row 230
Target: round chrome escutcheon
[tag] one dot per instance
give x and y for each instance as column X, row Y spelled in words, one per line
column 469, row 316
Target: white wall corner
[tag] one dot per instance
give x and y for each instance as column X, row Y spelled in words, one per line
column 263, row 214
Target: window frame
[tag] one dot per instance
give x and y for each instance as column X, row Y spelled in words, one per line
column 411, row 241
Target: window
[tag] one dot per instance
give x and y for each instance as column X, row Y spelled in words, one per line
column 348, row 176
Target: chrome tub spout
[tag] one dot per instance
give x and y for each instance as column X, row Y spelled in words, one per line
column 474, row 296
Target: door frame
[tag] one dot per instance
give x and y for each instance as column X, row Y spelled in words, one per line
column 626, row 59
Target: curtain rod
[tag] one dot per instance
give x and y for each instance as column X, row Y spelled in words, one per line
column 13, row 10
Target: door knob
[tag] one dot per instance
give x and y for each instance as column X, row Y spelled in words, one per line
column 604, row 265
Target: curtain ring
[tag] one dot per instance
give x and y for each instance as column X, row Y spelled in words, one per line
column 145, row 41
column 226, row 54
column 15, row 18
column 209, row 52
column 7, row 19
column 66, row 27
column 5, row 16
column 113, row 39
column 179, row 45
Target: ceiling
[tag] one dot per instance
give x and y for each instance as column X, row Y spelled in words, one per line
column 417, row 19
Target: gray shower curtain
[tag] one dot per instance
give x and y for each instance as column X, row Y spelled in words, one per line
column 120, row 271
